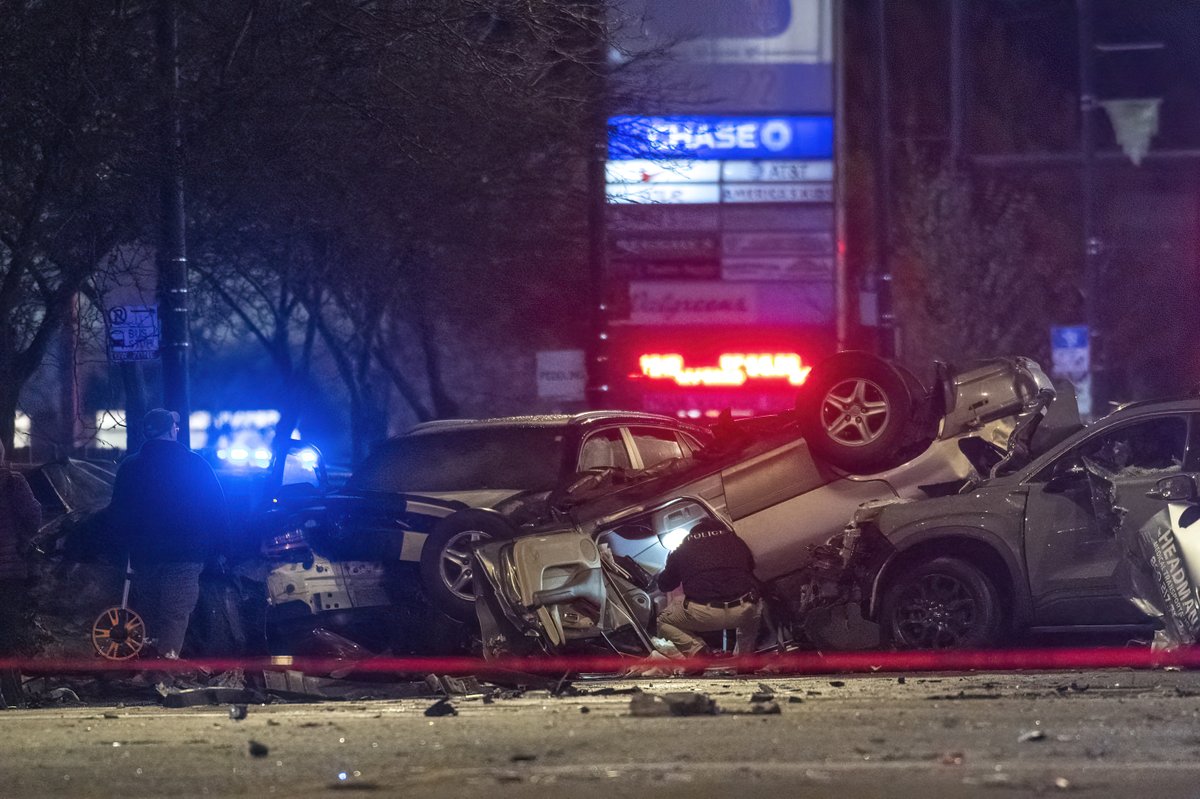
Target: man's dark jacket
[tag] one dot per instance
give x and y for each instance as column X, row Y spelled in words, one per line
column 713, row 565
column 167, row 506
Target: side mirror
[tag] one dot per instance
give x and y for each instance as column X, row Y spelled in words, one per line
column 1066, row 475
column 1179, row 488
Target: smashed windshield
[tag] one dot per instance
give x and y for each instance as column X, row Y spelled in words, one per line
column 471, row 459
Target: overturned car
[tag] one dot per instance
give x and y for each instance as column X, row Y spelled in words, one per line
column 863, row 431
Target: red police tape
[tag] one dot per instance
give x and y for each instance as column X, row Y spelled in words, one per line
column 789, row 663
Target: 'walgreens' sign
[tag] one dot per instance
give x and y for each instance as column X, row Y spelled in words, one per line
column 724, row 302
column 678, row 303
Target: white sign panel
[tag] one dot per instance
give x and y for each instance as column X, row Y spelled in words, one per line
column 777, row 193
column 776, row 171
column 133, row 332
column 645, row 170
column 656, row 219
column 667, row 193
column 814, row 243
column 777, row 267
column 561, row 374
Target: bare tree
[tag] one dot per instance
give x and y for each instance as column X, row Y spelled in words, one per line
column 70, row 166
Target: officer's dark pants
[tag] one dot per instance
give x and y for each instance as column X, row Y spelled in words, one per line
column 165, row 595
column 16, row 638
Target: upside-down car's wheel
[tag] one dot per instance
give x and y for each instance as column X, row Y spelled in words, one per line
column 118, row 634
column 944, row 603
column 446, row 559
column 855, row 411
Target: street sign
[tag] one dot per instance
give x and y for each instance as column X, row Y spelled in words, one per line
column 133, row 333
column 1070, row 358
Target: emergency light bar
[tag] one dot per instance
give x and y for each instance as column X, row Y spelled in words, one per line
column 732, row 369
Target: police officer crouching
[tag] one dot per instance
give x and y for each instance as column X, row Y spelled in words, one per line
column 716, row 570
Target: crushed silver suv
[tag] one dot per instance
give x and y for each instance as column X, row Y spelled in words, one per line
column 863, row 430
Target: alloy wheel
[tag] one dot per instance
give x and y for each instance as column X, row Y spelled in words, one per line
column 938, row 611
column 855, row 412
column 456, row 563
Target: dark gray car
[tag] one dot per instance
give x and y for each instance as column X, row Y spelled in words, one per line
column 1037, row 546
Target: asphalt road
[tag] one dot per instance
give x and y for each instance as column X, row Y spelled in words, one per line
column 1116, row 733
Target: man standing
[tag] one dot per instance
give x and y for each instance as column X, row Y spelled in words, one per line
column 716, row 570
column 168, row 508
column 20, row 517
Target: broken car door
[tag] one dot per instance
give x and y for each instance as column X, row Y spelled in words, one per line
column 1071, row 546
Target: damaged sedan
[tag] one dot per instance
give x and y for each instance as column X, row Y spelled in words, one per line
column 864, row 430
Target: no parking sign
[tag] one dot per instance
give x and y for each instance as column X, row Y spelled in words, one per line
column 1070, row 355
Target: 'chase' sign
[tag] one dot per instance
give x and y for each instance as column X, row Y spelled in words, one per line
column 712, row 137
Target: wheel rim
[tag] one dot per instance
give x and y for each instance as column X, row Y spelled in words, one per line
column 855, row 412
column 456, row 563
column 118, row 634
column 939, row 611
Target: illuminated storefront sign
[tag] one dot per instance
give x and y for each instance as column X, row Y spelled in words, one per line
column 777, row 193
column 713, row 137
column 645, row 170
column 732, row 369
column 661, row 194
column 659, row 303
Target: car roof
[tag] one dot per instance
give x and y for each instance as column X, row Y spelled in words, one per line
column 1178, row 404
column 582, row 419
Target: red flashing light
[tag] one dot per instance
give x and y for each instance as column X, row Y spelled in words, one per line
column 732, row 369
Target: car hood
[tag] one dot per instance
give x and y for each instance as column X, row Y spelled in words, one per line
column 481, row 498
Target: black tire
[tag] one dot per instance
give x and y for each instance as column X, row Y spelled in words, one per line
column 445, row 569
column 855, row 412
column 944, row 603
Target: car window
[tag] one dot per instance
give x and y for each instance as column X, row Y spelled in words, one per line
column 1152, row 444
column 656, row 446
column 471, row 459
column 604, row 449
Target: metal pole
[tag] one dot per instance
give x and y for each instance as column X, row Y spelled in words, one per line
column 598, row 391
column 883, row 194
column 172, row 247
column 1087, row 188
column 957, row 79
column 841, row 276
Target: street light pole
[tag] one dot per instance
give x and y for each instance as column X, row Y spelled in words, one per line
column 172, row 248
column 883, row 194
column 1092, row 246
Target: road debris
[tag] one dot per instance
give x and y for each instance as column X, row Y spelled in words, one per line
column 454, row 686
column 1031, row 735
column 672, row 704
column 257, row 749
column 194, row 697
column 237, row 712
